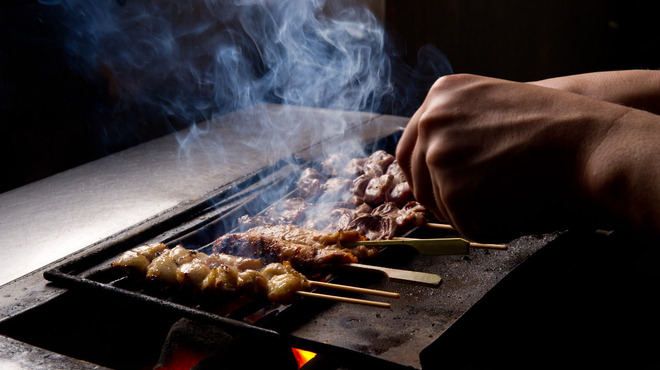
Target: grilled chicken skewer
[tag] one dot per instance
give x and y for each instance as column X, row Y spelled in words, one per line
column 222, row 273
column 276, row 243
column 317, row 239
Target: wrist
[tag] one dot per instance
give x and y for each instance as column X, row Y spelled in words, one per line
column 621, row 175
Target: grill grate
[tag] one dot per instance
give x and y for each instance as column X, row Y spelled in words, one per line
column 194, row 228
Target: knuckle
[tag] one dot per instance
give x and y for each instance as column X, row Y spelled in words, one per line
column 444, row 151
column 452, row 81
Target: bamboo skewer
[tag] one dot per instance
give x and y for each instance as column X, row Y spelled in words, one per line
column 402, row 276
column 349, row 288
column 337, row 298
column 433, row 225
column 472, row 244
column 431, row 247
column 489, row 246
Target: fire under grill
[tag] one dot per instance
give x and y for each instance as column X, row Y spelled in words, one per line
column 486, row 299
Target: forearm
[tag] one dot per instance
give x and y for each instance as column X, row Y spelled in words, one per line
column 622, row 172
column 638, row 89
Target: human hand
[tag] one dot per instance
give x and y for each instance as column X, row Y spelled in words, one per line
column 499, row 159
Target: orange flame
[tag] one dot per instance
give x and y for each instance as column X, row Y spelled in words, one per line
column 182, row 359
column 302, row 356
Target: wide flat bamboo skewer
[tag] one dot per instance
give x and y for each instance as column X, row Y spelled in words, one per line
column 354, row 289
column 337, row 298
column 397, row 275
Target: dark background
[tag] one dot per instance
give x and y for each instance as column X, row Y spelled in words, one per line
column 54, row 119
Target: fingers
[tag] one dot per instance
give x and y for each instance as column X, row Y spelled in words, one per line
column 428, row 187
column 411, row 154
column 406, row 146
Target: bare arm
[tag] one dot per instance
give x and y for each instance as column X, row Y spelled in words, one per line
column 634, row 88
column 500, row 159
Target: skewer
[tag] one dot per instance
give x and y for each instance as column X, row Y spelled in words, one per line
column 349, row 288
column 431, row 247
column 433, row 225
column 344, row 299
column 489, row 246
column 472, row 244
column 401, row 276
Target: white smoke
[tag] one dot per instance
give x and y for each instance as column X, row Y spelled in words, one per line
column 187, row 62
column 209, row 57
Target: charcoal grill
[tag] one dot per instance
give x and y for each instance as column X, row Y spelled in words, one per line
column 90, row 313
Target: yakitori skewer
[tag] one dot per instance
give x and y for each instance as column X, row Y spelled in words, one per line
column 218, row 273
column 430, row 247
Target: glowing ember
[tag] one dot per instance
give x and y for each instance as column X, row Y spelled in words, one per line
column 182, row 359
column 302, row 356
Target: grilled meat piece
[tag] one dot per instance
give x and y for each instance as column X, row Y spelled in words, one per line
column 132, row 261
column 335, row 219
column 252, row 283
column 193, row 273
column 282, row 288
column 284, row 281
column 138, row 259
column 163, row 269
column 340, row 164
column 247, row 222
column 412, row 215
column 378, row 190
column 395, row 170
column 336, row 189
column 355, row 167
column 377, row 163
column 374, row 227
column 359, row 186
column 310, row 183
column 222, row 278
column 401, row 194
column 286, row 211
column 334, row 164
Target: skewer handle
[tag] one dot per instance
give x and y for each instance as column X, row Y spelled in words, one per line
column 402, row 276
